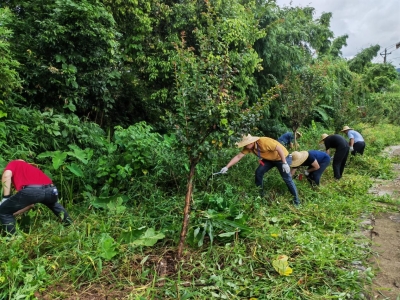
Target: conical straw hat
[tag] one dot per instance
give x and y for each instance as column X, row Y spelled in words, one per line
column 248, row 139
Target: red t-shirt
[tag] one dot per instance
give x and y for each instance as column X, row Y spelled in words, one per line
column 26, row 174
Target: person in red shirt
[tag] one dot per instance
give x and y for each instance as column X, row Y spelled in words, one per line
column 33, row 186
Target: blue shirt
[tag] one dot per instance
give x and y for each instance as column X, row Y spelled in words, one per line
column 320, row 156
column 352, row 134
column 286, row 138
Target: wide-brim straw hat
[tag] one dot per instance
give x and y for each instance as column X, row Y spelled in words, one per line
column 346, row 128
column 298, row 158
column 323, row 136
column 247, row 139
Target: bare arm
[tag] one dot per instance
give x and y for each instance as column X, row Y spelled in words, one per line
column 21, row 211
column 314, row 166
column 235, row 159
column 6, row 181
column 293, row 171
column 351, row 142
column 281, row 154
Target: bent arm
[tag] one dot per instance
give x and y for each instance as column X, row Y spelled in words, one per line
column 314, row 166
column 235, row 159
column 6, row 181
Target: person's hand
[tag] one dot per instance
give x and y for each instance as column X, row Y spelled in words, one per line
column 351, row 149
column 306, row 173
column 286, row 168
column 224, row 170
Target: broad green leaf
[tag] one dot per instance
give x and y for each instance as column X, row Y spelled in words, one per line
column 80, row 154
column 45, row 154
column 149, row 238
column 130, row 236
column 116, row 206
column 107, row 247
column 58, row 158
column 227, row 234
column 74, row 168
column 102, row 202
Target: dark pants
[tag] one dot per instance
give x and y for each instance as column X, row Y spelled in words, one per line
column 27, row 196
column 339, row 161
column 287, row 178
column 358, row 148
column 316, row 175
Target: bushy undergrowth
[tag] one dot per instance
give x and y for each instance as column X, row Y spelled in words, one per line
column 126, row 238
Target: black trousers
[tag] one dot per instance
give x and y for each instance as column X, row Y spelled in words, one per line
column 339, row 161
column 47, row 195
column 358, row 148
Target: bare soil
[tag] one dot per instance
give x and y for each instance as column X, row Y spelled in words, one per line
column 384, row 231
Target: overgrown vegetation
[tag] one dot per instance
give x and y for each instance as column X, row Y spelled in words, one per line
column 130, row 107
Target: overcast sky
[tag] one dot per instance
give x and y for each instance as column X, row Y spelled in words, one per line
column 366, row 22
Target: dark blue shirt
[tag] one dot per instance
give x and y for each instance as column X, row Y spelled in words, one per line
column 316, row 155
column 286, row 138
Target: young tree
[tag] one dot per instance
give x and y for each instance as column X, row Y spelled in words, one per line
column 363, row 58
column 210, row 106
column 302, row 92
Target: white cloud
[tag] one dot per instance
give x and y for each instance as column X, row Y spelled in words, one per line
column 366, row 22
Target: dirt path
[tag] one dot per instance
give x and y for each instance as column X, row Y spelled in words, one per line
column 385, row 237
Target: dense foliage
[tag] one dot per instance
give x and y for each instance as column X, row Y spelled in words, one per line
column 131, row 106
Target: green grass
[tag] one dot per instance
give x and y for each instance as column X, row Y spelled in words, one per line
column 233, row 238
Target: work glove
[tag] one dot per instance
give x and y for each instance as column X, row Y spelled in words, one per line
column 306, row 173
column 286, row 168
column 351, row 149
column 224, row 170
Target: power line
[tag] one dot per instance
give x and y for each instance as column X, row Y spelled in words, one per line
column 385, row 53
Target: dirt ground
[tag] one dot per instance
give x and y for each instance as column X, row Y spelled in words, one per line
column 384, row 231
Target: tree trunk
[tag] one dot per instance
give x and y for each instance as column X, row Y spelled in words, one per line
column 295, row 138
column 186, row 210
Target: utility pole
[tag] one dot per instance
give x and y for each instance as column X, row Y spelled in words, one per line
column 384, row 55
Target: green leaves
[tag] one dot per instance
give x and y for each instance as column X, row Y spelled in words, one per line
column 9, row 78
column 59, row 157
column 67, row 50
column 107, row 247
column 142, row 237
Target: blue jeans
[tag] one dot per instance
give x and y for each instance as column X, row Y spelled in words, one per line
column 316, row 175
column 27, row 196
column 287, row 178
